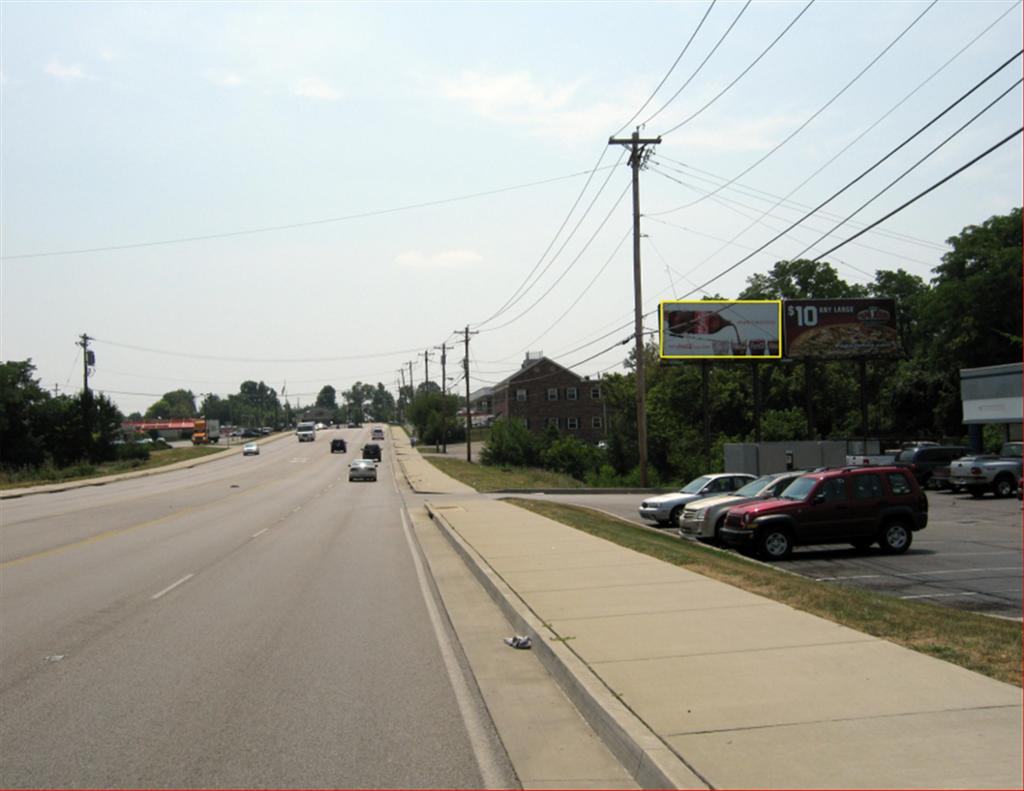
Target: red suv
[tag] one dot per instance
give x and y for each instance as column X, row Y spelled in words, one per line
column 849, row 505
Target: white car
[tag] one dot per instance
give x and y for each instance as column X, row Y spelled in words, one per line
column 250, row 449
column 362, row 470
column 666, row 509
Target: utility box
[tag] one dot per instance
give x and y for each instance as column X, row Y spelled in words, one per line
column 767, row 457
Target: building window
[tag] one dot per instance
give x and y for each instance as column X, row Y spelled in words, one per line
column 595, row 422
column 571, row 394
column 572, row 423
column 521, row 394
column 552, row 394
column 595, row 393
column 553, row 422
column 525, row 421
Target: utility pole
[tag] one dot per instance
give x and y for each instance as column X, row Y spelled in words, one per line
column 469, row 416
column 426, row 354
column 412, row 386
column 401, row 391
column 444, row 393
column 88, row 359
column 639, row 153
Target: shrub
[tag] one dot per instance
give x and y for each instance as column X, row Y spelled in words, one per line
column 511, row 444
column 572, row 456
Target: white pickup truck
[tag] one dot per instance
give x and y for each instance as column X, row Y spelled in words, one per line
column 989, row 473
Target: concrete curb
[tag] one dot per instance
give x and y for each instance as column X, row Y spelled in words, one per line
column 644, row 755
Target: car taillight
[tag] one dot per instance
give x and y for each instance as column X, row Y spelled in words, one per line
column 975, row 470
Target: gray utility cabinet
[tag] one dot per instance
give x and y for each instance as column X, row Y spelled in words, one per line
column 766, row 457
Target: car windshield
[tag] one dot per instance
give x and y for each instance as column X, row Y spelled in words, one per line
column 694, row 486
column 799, row 489
column 754, row 488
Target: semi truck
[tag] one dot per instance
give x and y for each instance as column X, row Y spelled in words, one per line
column 205, row 431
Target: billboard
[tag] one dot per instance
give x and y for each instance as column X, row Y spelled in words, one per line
column 720, row 329
column 831, row 329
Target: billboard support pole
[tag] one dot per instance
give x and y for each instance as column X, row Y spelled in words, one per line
column 809, row 400
column 862, row 365
column 707, row 414
column 757, row 402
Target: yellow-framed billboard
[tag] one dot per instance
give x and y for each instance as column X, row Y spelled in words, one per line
column 719, row 329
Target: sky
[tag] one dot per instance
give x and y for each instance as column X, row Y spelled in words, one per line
column 318, row 194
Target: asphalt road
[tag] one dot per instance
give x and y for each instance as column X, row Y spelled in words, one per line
column 253, row 622
column 969, row 556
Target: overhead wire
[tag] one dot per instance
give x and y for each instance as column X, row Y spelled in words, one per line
column 814, row 115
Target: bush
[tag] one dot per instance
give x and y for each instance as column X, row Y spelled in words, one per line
column 132, row 450
column 511, row 444
column 573, row 457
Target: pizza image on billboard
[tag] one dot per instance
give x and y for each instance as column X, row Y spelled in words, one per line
column 720, row 329
column 829, row 329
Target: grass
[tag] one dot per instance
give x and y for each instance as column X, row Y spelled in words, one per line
column 12, row 479
column 492, row 479
column 991, row 646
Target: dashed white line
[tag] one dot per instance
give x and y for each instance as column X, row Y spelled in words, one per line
column 260, row 533
column 169, row 588
column 943, row 595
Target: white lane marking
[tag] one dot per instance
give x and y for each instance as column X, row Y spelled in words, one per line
column 169, row 588
column 943, row 595
column 475, row 728
column 858, row 577
column 905, row 574
column 260, row 533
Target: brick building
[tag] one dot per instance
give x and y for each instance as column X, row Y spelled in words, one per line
column 543, row 393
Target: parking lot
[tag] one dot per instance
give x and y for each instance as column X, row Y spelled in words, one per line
column 969, row 556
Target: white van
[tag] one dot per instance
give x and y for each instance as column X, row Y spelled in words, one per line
column 306, row 432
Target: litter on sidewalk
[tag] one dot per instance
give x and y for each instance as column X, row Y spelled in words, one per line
column 518, row 641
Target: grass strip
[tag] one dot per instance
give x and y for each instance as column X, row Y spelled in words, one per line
column 986, row 645
column 158, row 458
column 492, row 479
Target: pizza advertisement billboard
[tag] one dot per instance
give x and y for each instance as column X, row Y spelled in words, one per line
column 835, row 329
column 720, row 329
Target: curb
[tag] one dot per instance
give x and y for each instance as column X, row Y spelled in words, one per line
column 641, row 751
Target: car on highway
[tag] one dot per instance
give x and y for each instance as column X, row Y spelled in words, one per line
column 845, row 505
column 703, row 519
column 666, row 509
column 362, row 470
column 371, row 450
column 377, row 433
column 250, row 449
column 338, row 445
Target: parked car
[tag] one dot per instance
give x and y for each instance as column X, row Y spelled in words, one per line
column 362, row 470
column 989, row 473
column 377, row 433
column 703, row 519
column 666, row 509
column 847, row 505
column 250, row 449
column 371, row 450
column 923, row 460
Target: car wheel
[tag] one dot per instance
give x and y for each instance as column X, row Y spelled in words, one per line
column 862, row 543
column 718, row 531
column 896, row 537
column 1003, row 486
column 774, row 543
column 673, row 518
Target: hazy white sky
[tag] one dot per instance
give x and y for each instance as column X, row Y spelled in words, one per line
column 130, row 125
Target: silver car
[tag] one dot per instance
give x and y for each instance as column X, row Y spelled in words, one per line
column 703, row 519
column 362, row 470
column 667, row 509
column 250, row 449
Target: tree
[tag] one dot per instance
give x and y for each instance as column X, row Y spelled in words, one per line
column 22, row 402
column 800, row 279
column 175, row 404
column 326, row 398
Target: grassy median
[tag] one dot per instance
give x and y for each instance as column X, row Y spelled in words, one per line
column 158, row 458
column 991, row 646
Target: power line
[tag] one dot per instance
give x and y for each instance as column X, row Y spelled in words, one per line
column 669, row 73
column 701, row 66
column 193, row 356
column 818, row 112
column 306, row 224
column 743, row 73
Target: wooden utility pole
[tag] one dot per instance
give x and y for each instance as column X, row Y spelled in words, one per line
column 444, row 393
column 469, row 416
column 426, row 354
column 639, row 153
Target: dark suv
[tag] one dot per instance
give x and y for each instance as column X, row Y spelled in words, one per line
column 371, row 451
column 848, row 505
column 924, row 459
column 338, row 445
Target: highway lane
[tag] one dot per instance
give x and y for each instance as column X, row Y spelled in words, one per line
column 250, row 622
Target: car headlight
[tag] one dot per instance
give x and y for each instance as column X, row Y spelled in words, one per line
column 699, row 513
column 746, row 519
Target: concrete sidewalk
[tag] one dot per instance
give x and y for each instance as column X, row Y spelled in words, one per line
column 693, row 683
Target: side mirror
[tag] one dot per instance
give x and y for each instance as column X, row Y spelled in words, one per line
column 819, row 498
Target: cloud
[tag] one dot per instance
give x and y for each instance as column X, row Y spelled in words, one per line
column 739, row 134
column 224, row 79
column 315, row 89
column 107, row 54
column 66, row 72
column 447, row 259
column 517, row 99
